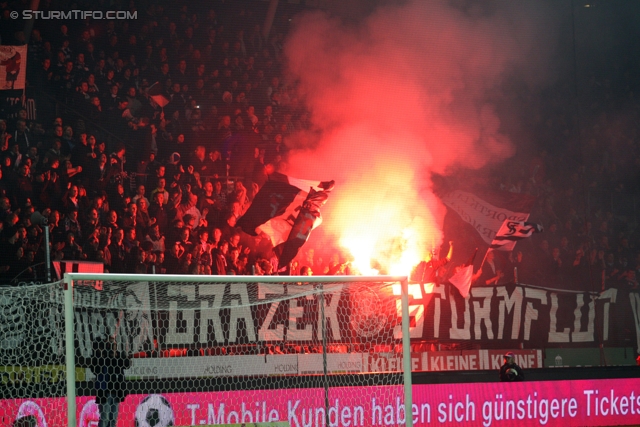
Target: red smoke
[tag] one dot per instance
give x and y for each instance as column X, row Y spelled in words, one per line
column 405, row 93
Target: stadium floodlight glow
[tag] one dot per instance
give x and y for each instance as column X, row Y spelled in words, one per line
column 244, row 333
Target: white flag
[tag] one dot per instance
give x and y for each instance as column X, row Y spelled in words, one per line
column 512, row 231
column 462, row 279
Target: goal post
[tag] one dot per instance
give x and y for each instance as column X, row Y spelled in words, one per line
column 260, row 348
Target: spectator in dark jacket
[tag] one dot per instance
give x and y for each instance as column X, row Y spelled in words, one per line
column 108, row 365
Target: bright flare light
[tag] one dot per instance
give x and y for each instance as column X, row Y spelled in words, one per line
column 362, row 251
column 382, row 221
column 386, row 115
column 394, row 255
column 386, row 248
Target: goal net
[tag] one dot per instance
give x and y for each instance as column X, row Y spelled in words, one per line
column 32, row 348
column 196, row 350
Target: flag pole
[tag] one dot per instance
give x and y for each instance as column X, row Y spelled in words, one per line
column 485, row 258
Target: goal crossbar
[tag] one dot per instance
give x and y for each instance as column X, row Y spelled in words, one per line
column 229, row 279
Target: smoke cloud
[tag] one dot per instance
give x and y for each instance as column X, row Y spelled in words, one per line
column 409, row 91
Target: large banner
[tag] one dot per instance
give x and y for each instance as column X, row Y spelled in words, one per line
column 147, row 317
column 527, row 404
column 13, row 67
column 519, row 313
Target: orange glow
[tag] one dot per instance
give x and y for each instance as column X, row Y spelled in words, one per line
column 395, row 255
column 385, row 217
column 386, row 115
column 386, row 227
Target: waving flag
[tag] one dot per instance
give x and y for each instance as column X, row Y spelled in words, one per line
column 511, row 232
column 156, row 92
column 485, row 212
column 286, row 209
column 62, row 267
column 463, row 276
column 308, row 219
column 13, row 67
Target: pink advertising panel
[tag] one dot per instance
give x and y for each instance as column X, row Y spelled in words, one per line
column 550, row 403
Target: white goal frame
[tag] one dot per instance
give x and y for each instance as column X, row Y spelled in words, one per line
column 71, row 278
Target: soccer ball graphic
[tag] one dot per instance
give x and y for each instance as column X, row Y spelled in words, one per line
column 90, row 414
column 154, row 411
column 32, row 410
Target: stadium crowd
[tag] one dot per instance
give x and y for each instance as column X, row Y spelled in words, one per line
column 172, row 121
column 145, row 183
